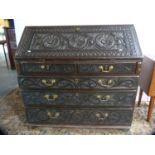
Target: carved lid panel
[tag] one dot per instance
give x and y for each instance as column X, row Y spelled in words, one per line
column 118, row 41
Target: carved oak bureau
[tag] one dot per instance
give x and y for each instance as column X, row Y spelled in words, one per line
column 79, row 75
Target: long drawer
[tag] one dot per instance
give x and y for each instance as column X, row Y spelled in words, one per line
column 79, row 116
column 106, row 82
column 89, row 99
column 78, row 68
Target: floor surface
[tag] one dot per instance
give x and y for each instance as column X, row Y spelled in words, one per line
column 8, row 78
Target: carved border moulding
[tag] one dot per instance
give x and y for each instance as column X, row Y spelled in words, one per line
column 79, row 41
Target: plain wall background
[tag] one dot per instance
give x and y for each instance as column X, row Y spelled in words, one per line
column 140, row 13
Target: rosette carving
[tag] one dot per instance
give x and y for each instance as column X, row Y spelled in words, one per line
column 51, row 41
column 77, row 41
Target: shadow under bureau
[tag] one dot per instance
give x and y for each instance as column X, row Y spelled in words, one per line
column 79, row 75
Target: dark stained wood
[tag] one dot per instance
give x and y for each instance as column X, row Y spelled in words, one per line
column 80, row 116
column 17, row 65
column 126, row 128
column 94, row 45
column 90, row 42
column 79, row 99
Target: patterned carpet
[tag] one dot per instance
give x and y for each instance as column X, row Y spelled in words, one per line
column 12, row 120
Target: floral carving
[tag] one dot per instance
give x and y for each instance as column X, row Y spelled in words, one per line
column 77, row 41
column 51, row 41
column 83, row 83
column 105, row 41
column 70, row 41
column 88, row 41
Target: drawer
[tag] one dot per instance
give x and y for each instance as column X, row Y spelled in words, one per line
column 83, row 67
column 94, row 99
column 79, row 116
column 40, row 68
column 106, row 82
column 108, row 68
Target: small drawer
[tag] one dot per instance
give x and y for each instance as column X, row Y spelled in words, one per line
column 108, row 68
column 106, row 82
column 91, row 99
column 76, row 67
column 42, row 68
column 79, row 116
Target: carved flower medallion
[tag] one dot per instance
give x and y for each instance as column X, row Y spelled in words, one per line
column 51, row 41
column 105, row 41
column 77, row 41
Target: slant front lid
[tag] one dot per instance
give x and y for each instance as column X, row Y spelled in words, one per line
column 108, row 41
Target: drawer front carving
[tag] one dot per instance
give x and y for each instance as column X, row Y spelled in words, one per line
column 82, row 116
column 110, row 82
column 79, row 98
column 122, row 68
column 48, row 68
column 113, row 68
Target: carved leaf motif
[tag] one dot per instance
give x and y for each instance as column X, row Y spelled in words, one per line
column 116, row 83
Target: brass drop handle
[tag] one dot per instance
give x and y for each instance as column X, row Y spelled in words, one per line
column 106, row 83
column 43, row 67
column 101, row 116
column 77, row 29
column 104, row 98
column 106, row 69
column 49, row 82
column 139, row 67
column 53, row 115
column 53, row 97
